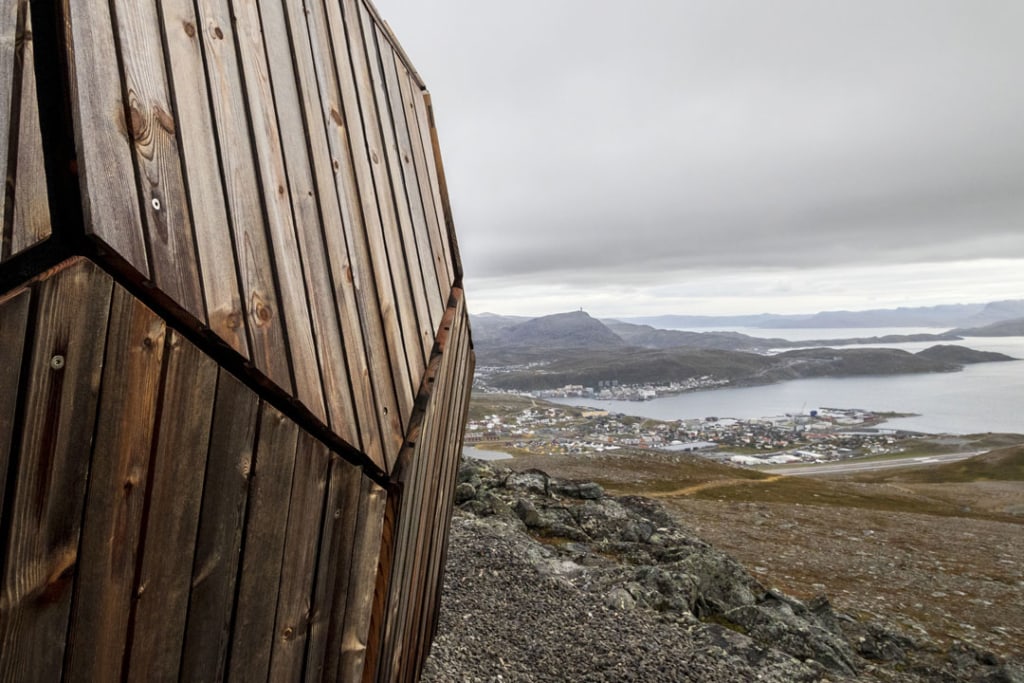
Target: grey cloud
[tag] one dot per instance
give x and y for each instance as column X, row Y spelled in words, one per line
column 592, row 139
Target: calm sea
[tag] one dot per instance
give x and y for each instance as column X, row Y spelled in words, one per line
column 985, row 397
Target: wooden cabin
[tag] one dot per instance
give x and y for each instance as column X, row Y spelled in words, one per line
column 235, row 356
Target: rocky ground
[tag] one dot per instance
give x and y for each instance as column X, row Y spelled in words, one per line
column 550, row 580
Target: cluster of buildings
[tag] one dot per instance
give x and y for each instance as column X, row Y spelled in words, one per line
column 815, row 437
column 612, row 390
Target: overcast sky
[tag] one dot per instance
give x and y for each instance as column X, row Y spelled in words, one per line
column 724, row 156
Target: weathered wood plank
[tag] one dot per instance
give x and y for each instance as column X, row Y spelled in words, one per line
column 365, row 554
column 398, row 96
column 9, row 30
column 151, row 127
column 169, row 541
column 110, row 203
column 305, row 193
column 263, row 547
column 275, row 185
column 352, row 60
column 50, row 473
column 360, row 280
column 112, row 523
column 189, row 92
column 14, row 312
column 221, row 523
column 412, row 97
column 365, row 61
column 333, row 572
column 298, row 571
column 260, row 297
column 31, row 202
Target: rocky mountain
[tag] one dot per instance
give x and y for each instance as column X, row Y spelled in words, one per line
column 554, row 580
column 575, row 330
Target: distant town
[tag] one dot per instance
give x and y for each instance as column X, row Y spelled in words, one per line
column 605, row 390
column 818, row 436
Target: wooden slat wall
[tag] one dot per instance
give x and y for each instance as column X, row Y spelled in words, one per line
column 262, row 194
column 270, row 168
column 163, row 522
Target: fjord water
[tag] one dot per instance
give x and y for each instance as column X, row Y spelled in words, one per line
column 985, row 397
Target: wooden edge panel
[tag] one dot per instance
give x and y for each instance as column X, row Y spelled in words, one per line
column 298, row 571
column 288, row 60
column 452, row 253
column 263, row 547
column 446, row 487
column 175, row 495
column 413, row 96
column 379, row 311
column 112, row 523
column 390, row 198
column 419, row 451
column 275, row 185
column 151, row 128
column 31, row 221
column 418, row 247
column 221, row 523
column 50, row 471
column 365, row 557
column 259, row 292
column 391, row 121
column 440, row 220
column 333, row 168
column 201, row 170
column 446, row 464
column 14, row 315
column 432, row 453
column 110, row 205
column 333, row 572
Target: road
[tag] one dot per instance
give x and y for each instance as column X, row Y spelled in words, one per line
column 845, row 467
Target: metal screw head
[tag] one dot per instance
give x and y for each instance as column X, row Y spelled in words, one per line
column 156, row 204
column 57, row 362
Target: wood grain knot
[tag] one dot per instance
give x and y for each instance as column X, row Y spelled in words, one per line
column 137, row 124
column 336, row 115
column 262, row 313
column 190, row 29
column 233, row 320
column 164, row 120
column 217, row 33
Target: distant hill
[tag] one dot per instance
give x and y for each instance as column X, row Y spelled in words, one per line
column 1005, row 328
column 946, row 316
column 649, row 337
column 576, row 330
column 959, row 355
